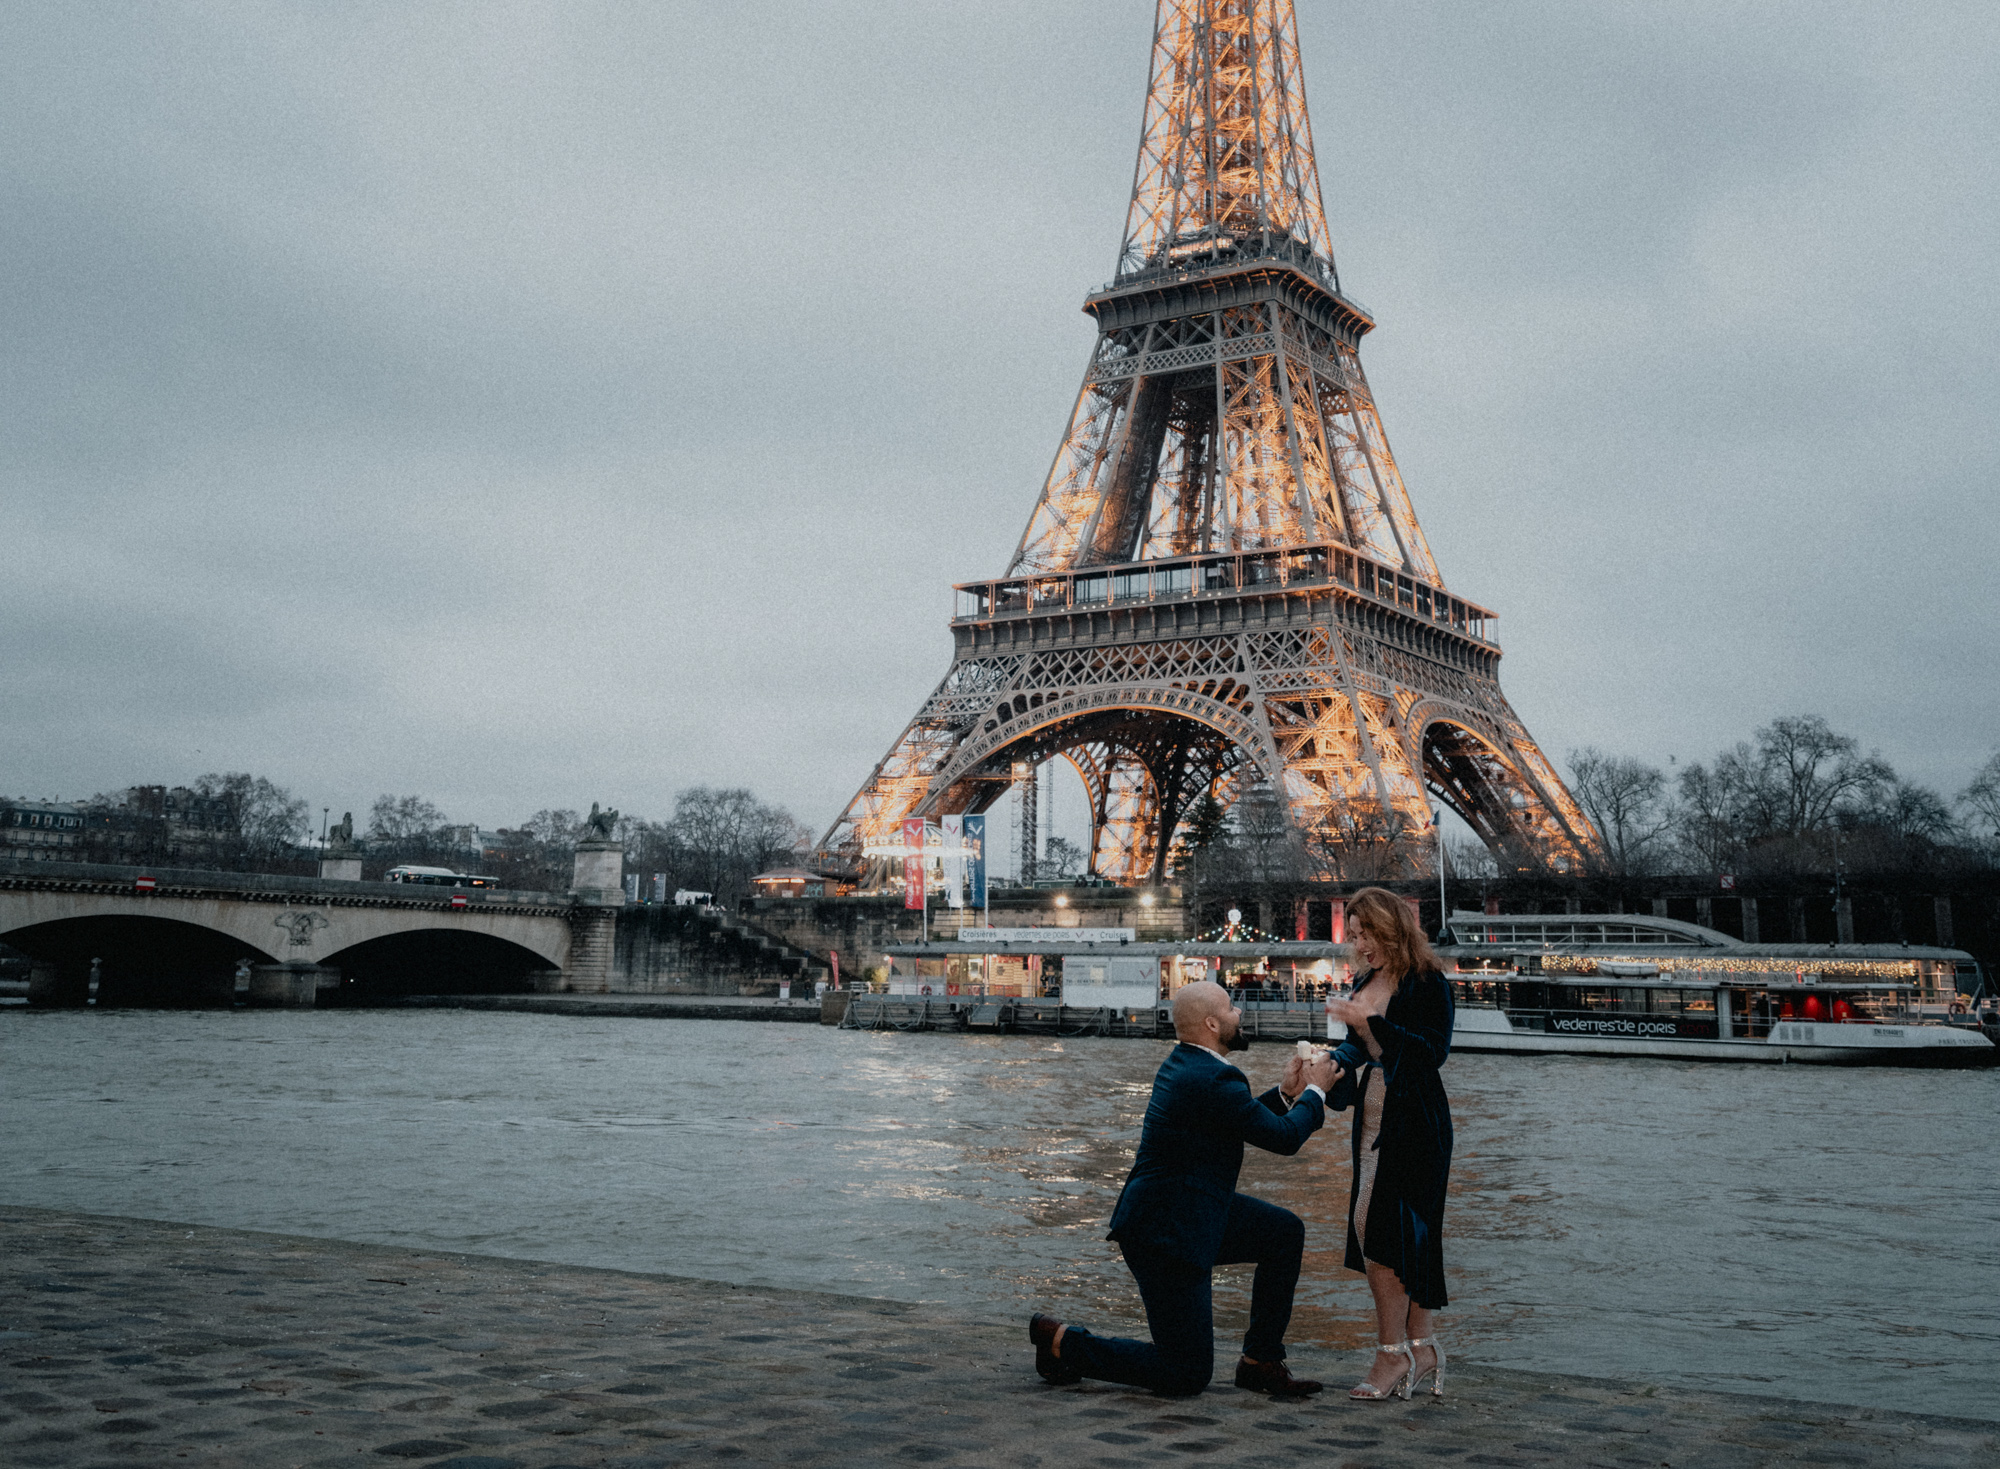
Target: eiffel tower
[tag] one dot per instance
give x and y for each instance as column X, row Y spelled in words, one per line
column 1223, row 587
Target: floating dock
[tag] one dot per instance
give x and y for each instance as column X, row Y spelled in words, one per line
column 1003, row 1015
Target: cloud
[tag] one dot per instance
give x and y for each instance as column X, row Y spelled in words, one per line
column 534, row 404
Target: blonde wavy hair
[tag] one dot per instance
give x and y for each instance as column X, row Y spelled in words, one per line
column 1390, row 923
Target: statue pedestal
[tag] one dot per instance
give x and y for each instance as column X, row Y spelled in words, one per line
column 598, row 892
column 340, row 864
column 599, row 880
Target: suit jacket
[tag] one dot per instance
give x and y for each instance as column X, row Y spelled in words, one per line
column 1176, row 1200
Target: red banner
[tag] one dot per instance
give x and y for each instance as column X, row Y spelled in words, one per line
column 913, row 864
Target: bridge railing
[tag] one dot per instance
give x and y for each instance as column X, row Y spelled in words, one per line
column 100, row 876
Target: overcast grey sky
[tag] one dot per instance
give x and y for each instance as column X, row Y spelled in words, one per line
column 533, row 404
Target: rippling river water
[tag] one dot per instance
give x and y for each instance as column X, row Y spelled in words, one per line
column 1819, row 1233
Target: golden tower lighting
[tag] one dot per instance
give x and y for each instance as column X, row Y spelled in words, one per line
column 1223, row 587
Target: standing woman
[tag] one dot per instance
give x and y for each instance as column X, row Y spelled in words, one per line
column 1398, row 1035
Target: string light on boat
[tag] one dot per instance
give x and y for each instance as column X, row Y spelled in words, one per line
column 1236, row 931
column 1901, row 970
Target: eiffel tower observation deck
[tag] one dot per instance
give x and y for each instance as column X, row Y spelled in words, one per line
column 1223, row 589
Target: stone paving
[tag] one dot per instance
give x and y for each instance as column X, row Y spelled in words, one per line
column 131, row 1342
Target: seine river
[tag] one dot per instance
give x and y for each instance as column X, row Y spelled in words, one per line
column 1825, row 1234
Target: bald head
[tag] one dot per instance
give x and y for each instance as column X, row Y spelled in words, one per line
column 1195, row 1003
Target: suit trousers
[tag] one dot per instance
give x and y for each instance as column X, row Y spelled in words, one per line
column 1180, row 1359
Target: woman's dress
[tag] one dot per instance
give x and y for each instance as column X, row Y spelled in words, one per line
column 1402, row 1137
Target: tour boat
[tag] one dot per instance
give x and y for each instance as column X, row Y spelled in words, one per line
column 1622, row 984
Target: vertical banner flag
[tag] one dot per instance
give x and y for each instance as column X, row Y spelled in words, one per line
column 913, row 863
column 954, row 860
column 975, row 850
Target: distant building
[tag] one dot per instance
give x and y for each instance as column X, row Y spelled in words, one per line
column 50, row 830
column 168, row 824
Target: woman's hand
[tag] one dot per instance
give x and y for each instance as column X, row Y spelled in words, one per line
column 1350, row 1013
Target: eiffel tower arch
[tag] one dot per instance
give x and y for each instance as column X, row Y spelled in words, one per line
column 1223, row 584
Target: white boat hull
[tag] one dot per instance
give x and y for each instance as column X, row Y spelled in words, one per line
column 1793, row 1042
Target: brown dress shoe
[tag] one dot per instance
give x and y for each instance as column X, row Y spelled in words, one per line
column 1274, row 1378
column 1042, row 1332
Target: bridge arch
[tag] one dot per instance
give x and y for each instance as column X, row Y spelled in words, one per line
column 140, row 959
column 433, row 959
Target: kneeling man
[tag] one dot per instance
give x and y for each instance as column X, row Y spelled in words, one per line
column 1180, row 1216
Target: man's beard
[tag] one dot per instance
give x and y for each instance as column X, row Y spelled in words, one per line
column 1237, row 1039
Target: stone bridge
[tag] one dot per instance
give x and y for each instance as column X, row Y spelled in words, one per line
column 151, row 935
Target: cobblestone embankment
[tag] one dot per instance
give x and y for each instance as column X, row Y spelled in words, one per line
column 132, row 1342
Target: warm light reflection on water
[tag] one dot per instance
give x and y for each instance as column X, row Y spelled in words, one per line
column 1828, row 1234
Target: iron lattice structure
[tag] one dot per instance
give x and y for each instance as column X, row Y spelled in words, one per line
column 1223, row 585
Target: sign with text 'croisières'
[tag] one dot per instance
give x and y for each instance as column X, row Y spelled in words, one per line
column 1046, row 935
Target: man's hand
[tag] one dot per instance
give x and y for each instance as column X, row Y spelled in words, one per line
column 1321, row 1072
column 1293, row 1081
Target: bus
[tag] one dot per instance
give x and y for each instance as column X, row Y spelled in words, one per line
column 442, row 877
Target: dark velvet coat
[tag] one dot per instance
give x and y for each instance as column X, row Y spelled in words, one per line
column 1405, row 1225
column 1176, row 1200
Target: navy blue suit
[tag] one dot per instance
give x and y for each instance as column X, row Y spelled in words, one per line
column 1180, row 1216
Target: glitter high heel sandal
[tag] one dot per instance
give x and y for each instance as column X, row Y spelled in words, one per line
column 1435, row 1371
column 1368, row 1392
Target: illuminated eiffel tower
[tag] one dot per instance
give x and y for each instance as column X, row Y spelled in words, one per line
column 1223, row 586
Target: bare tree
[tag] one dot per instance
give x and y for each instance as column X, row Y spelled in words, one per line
column 1064, row 858
column 1626, row 799
column 1804, row 773
column 722, row 838
column 1470, row 858
column 269, row 820
column 1358, row 842
column 1981, row 799
column 409, row 829
column 1912, row 812
column 1769, row 803
column 1706, row 826
column 403, row 819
